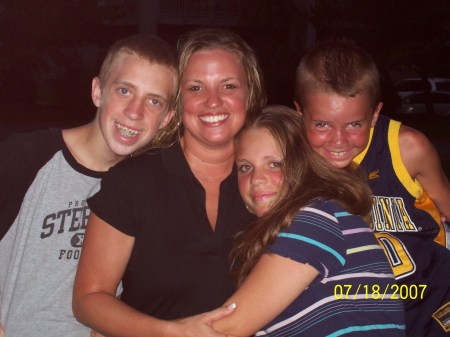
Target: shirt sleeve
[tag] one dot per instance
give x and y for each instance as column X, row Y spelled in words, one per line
column 113, row 202
column 314, row 238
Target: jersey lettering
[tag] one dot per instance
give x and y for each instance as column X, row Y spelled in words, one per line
column 401, row 262
column 389, row 215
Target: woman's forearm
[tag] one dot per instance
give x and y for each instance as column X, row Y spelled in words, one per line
column 105, row 255
column 112, row 317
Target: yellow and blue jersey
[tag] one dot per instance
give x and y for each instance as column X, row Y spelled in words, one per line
column 407, row 225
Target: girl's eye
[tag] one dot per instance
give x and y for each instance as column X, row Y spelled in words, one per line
column 275, row 164
column 244, row 168
column 154, row 101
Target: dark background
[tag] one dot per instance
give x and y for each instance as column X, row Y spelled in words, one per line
column 51, row 49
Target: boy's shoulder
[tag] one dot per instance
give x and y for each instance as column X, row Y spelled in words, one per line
column 411, row 135
column 416, row 150
column 404, row 132
column 410, row 150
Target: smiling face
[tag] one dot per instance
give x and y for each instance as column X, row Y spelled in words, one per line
column 214, row 94
column 338, row 128
column 259, row 161
column 133, row 103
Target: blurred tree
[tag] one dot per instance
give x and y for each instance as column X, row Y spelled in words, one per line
column 40, row 39
column 409, row 33
column 401, row 35
column 273, row 31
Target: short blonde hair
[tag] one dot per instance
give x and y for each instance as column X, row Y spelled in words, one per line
column 156, row 51
column 337, row 66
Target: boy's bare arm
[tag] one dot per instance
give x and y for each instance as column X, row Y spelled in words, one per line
column 423, row 164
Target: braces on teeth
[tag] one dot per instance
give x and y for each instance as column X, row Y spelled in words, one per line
column 126, row 132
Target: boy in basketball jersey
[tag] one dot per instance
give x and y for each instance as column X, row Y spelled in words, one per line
column 338, row 94
column 48, row 176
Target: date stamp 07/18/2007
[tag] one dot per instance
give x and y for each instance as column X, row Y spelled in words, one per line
column 377, row 292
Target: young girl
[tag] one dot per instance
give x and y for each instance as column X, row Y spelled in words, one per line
column 310, row 265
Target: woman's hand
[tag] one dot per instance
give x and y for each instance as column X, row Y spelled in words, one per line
column 201, row 325
column 194, row 326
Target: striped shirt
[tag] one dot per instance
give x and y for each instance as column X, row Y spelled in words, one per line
column 354, row 294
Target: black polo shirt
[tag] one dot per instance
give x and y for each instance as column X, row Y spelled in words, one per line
column 179, row 265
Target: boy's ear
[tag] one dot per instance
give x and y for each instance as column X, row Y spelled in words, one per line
column 96, row 92
column 297, row 107
column 169, row 115
column 376, row 113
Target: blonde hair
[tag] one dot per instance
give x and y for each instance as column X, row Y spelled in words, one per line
column 307, row 176
column 215, row 38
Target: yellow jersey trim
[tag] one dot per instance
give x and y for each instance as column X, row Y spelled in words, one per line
column 413, row 186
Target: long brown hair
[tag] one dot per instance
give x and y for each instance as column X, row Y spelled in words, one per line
column 307, row 176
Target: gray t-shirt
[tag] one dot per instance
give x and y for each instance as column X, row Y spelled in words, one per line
column 41, row 248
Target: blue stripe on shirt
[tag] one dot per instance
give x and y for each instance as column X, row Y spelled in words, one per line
column 342, row 214
column 315, row 243
column 366, row 328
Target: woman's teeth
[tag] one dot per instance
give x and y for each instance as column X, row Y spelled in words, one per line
column 214, row 119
